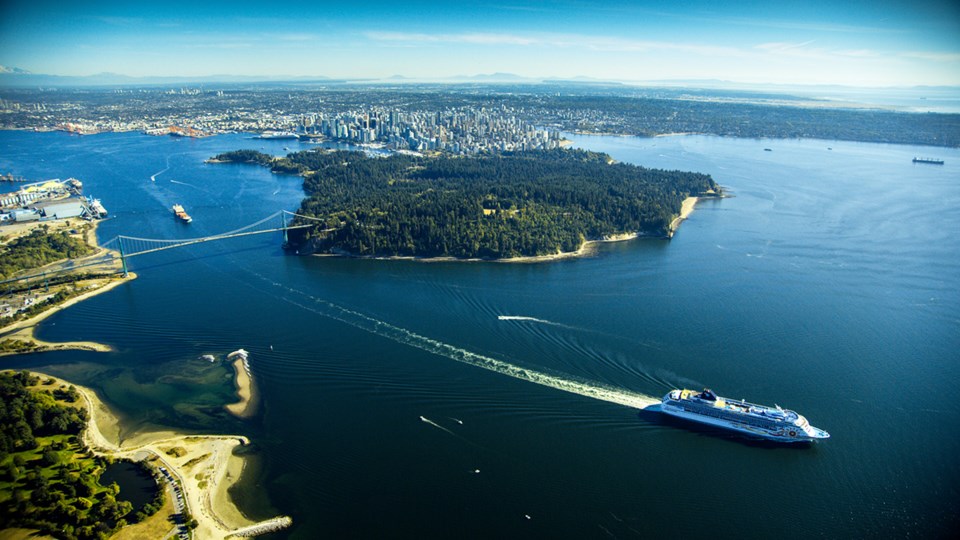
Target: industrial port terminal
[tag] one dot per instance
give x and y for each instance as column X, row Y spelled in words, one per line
column 49, row 200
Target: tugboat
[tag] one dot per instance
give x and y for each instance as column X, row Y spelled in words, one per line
column 181, row 214
column 771, row 423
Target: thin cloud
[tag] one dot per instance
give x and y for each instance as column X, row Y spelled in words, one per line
column 297, row 37
column 595, row 43
column 807, row 26
column 933, row 56
column 803, row 50
column 475, row 38
column 780, row 47
column 121, row 21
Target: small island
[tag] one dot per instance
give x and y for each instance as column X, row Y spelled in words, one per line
column 506, row 206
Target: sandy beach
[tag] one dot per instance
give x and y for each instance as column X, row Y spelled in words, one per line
column 686, row 208
column 204, row 465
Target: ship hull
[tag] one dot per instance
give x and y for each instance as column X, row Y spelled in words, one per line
column 743, row 429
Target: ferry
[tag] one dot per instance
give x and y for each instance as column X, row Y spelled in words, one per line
column 771, row 423
column 181, row 214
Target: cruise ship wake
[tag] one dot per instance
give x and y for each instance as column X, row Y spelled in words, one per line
column 562, row 382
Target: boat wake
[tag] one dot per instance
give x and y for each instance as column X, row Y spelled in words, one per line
column 436, row 425
column 183, row 184
column 522, row 318
column 428, row 421
column 153, row 177
column 397, row 334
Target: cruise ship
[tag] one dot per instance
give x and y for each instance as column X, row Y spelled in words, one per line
column 278, row 135
column 772, row 423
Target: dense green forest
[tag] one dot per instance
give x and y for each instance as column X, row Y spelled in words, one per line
column 278, row 165
column 39, row 248
column 48, row 479
column 489, row 206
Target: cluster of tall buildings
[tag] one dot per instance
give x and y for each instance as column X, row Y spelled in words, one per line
column 459, row 131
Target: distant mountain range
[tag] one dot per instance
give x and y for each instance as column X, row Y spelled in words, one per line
column 16, row 77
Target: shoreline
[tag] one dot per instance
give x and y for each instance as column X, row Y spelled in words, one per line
column 205, row 466
column 24, row 331
column 585, row 249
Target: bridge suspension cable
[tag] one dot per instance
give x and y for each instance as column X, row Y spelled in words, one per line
column 313, row 218
column 132, row 246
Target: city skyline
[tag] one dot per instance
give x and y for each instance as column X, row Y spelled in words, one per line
column 855, row 44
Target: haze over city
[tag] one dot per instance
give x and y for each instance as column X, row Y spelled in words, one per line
column 859, row 43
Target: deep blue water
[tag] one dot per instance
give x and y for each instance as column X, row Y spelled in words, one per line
column 827, row 284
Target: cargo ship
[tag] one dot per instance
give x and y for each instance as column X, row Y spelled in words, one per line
column 181, row 214
column 759, row 421
column 931, row 161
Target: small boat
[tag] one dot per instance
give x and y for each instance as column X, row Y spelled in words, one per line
column 181, row 214
column 771, row 423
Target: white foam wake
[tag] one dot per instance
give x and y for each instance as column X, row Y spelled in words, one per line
column 566, row 383
column 153, row 177
column 436, row 425
column 523, row 318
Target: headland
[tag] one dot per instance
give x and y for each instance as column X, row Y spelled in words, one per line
column 17, row 336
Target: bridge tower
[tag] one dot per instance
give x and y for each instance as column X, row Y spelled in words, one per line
column 123, row 260
column 283, row 225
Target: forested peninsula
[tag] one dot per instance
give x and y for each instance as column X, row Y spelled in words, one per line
column 507, row 205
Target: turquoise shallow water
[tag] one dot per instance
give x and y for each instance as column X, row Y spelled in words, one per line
column 827, row 284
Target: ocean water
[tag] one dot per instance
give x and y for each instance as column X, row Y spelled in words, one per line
column 404, row 399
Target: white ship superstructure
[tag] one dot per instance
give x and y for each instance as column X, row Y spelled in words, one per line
column 773, row 423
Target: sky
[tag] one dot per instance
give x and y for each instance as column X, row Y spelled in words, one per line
column 847, row 42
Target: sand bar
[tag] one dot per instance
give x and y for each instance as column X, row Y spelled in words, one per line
column 247, row 406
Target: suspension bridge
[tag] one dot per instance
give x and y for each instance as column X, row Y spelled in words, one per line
column 124, row 247
column 131, row 246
